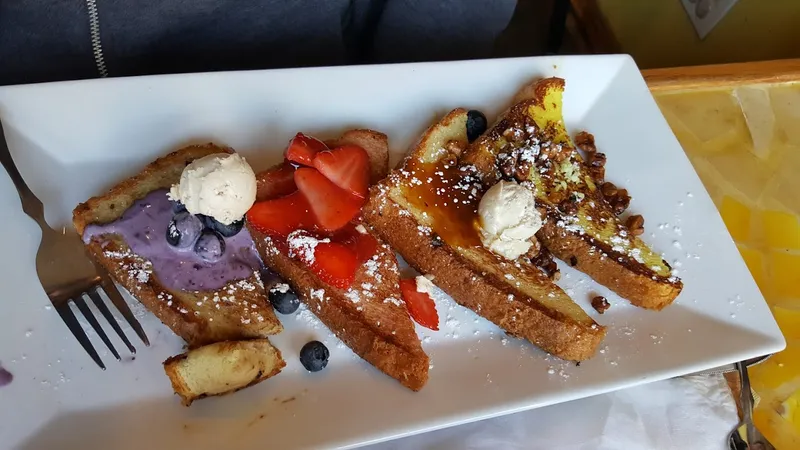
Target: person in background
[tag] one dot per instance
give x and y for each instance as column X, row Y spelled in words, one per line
column 53, row 40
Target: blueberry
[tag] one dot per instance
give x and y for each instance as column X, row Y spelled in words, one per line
column 314, row 356
column 183, row 230
column 225, row 230
column 178, row 207
column 208, row 221
column 210, row 246
column 283, row 298
column 476, row 124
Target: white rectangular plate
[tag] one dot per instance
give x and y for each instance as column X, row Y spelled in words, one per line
column 73, row 140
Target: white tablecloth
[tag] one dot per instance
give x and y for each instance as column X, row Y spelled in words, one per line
column 694, row 412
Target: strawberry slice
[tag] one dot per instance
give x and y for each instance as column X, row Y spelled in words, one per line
column 282, row 215
column 276, row 182
column 302, row 149
column 334, row 264
column 347, row 167
column 420, row 305
column 332, row 206
column 364, row 244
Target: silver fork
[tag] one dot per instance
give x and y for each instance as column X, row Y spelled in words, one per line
column 68, row 275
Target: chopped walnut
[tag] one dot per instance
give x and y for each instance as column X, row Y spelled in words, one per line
column 598, row 174
column 597, row 166
column 568, row 206
column 618, row 199
column 554, row 152
column 608, row 189
column 523, row 171
column 514, row 134
column 544, row 260
column 635, row 224
column 585, row 142
column 600, row 304
column 597, row 159
column 623, row 200
column 512, row 168
column 455, row 147
column 507, row 165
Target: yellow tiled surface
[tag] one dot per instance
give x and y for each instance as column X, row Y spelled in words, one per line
column 745, row 145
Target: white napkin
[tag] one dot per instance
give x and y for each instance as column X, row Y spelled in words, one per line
column 694, row 412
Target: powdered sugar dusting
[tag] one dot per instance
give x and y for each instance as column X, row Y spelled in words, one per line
column 318, row 294
column 302, row 245
column 393, row 300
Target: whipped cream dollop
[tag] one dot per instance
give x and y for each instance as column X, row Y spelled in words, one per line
column 508, row 219
column 221, row 185
column 424, row 284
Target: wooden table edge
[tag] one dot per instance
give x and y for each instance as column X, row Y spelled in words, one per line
column 722, row 75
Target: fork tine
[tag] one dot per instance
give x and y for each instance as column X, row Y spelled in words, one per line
column 81, row 304
column 116, row 298
column 72, row 323
column 101, row 306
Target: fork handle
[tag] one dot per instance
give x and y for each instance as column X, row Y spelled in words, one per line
column 30, row 203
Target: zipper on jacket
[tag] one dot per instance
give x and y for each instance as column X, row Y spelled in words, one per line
column 94, row 30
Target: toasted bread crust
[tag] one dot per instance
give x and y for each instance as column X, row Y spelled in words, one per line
column 627, row 280
column 197, row 317
column 257, row 354
column 376, row 327
column 375, row 143
column 484, row 295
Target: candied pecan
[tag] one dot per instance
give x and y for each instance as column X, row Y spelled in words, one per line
column 600, row 304
column 585, row 141
column 635, row 224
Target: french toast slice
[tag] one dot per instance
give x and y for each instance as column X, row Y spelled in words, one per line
column 222, row 368
column 426, row 209
column 239, row 310
column 370, row 317
column 529, row 143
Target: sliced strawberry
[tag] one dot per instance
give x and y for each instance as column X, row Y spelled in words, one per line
column 420, row 305
column 302, row 149
column 276, row 182
column 332, row 206
column 364, row 244
column 347, row 167
column 282, row 215
column 334, row 264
